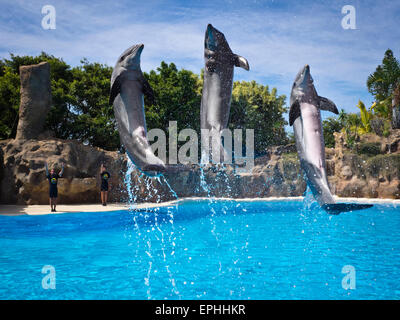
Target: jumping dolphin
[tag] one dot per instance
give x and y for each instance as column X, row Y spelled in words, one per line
column 127, row 88
column 217, row 87
column 305, row 116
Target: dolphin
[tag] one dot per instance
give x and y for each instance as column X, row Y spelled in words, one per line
column 217, row 85
column 305, row 117
column 128, row 86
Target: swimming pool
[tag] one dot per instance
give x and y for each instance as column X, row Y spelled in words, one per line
column 203, row 249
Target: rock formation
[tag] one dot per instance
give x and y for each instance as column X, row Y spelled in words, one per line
column 24, row 180
column 35, row 99
column 371, row 170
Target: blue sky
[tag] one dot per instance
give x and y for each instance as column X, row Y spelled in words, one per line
column 277, row 37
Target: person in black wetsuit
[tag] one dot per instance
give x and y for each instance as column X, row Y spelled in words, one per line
column 53, row 180
column 105, row 176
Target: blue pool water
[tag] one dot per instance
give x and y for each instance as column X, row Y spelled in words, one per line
column 203, row 250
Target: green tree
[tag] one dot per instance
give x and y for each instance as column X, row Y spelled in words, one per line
column 383, row 81
column 80, row 108
column 9, row 102
column 60, row 74
column 330, row 126
column 256, row 107
column 177, row 95
column 92, row 116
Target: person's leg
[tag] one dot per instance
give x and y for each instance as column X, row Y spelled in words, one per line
column 102, row 196
column 105, row 197
column 55, row 203
column 51, row 203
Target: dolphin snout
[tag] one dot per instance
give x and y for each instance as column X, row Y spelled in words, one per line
column 306, row 73
column 210, row 38
column 140, row 47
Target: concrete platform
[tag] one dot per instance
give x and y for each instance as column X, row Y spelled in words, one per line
column 15, row 210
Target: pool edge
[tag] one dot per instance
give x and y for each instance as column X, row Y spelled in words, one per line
column 16, row 210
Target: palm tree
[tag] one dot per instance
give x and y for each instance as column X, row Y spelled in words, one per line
column 396, row 108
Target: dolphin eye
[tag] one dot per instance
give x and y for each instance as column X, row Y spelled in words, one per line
column 126, row 54
column 123, row 57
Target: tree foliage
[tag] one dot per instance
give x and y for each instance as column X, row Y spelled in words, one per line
column 383, row 83
column 255, row 106
column 10, row 87
column 178, row 97
column 330, row 126
column 80, row 108
column 9, row 102
column 386, row 77
column 92, row 115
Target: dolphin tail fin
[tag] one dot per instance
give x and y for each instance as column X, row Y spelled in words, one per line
column 336, row 208
column 328, row 105
column 241, row 62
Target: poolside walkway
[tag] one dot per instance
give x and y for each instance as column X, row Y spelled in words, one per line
column 15, row 210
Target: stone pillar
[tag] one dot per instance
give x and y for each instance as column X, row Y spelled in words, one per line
column 35, row 99
column 396, row 108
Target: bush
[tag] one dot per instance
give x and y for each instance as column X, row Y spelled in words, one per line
column 369, row 148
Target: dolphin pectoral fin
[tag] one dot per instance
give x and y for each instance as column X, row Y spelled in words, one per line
column 328, row 105
column 148, row 91
column 294, row 112
column 336, row 208
column 115, row 90
column 241, row 62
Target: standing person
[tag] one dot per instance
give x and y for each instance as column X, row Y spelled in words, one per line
column 104, row 175
column 53, row 180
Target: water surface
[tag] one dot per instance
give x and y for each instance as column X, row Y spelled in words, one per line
column 203, row 250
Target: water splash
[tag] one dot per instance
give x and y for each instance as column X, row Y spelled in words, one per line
column 169, row 187
column 211, row 201
column 221, row 179
column 171, row 236
column 308, row 200
column 153, row 229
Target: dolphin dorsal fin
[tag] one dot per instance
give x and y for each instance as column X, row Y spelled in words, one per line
column 327, row 105
column 241, row 62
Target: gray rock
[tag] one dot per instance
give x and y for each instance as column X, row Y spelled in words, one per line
column 35, row 100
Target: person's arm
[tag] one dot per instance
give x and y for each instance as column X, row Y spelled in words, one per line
column 47, row 169
column 62, row 170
